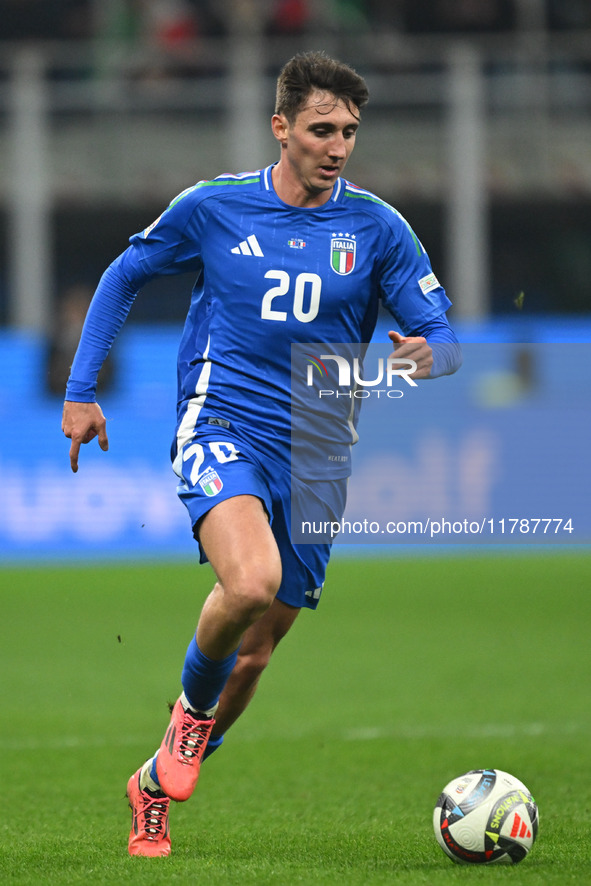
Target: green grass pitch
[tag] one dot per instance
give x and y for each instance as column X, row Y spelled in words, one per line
column 412, row 671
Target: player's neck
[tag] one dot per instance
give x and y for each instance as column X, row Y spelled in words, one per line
column 291, row 190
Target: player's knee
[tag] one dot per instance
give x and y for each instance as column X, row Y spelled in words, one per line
column 252, row 593
column 253, row 601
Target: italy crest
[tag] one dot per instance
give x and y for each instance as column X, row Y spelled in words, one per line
column 211, row 483
column 342, row 254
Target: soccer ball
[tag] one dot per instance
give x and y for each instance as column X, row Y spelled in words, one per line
column 486, row 817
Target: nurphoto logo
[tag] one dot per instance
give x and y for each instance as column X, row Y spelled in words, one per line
column 349, row 375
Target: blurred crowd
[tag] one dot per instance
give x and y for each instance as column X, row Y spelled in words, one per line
column 170, row 23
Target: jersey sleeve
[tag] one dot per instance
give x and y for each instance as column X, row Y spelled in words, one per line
column 447, row 353
column 172, row 243
column 164, row 248
column 410, row 290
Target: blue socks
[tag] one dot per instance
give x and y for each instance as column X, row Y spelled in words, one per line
column 211, row 746
column 203, row 678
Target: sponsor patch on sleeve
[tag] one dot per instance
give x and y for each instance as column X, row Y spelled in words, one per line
column 151, row 227
column 428, row 283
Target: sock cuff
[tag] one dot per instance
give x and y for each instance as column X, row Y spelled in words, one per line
column 189, row 706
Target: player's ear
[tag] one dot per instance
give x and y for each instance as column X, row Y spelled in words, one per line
column 280, row 127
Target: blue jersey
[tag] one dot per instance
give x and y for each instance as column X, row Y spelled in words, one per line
column 268, row 275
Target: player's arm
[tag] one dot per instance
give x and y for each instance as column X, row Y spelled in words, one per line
column 434, row 348
column 418, row 303
column 82, row 417
column 163, row 248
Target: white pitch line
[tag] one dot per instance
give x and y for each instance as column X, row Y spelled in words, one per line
column 485, row 730
column 362, row 733
column 69, row 742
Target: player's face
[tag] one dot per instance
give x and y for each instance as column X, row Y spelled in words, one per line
column 315, row 148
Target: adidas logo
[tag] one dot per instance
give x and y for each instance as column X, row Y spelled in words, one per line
column 250, row 246
column 520, row 828
column 315, row 593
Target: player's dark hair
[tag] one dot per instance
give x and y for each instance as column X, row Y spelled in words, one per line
column 308, row 71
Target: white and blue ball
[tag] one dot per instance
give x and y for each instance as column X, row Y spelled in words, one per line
column 486, row 817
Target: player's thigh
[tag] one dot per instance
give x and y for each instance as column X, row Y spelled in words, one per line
column 238, row 541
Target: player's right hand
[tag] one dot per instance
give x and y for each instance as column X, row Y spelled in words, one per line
column 81, row 423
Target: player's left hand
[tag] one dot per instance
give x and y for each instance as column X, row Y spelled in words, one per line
column 413, row 347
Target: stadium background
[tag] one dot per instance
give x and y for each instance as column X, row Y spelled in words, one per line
column 415, row 668
column 477, row 131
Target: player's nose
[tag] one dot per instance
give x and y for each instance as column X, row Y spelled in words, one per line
column 338, row 146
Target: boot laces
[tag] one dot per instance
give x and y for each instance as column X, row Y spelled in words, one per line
column 194, row 735
column 155, row 811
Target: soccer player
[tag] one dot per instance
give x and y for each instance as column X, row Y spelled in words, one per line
column 291, row 253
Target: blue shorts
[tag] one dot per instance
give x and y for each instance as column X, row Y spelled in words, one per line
column 220, row 467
